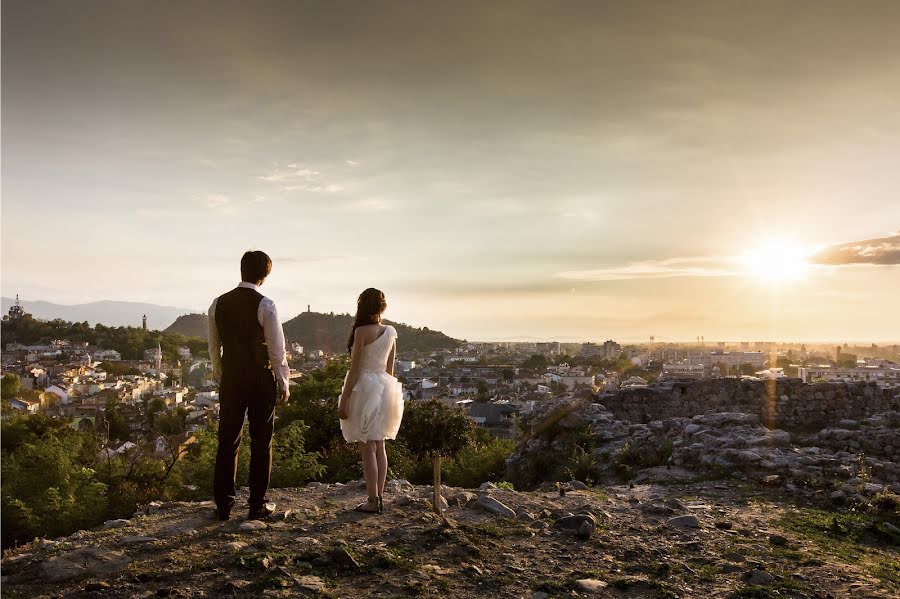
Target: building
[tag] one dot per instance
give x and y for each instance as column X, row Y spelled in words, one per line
column 184, row 353
column 107, row 355
column 885, row 375
column 607, row 350
column 684, row 370
column 549, row 348
column 16, row 311
column 154, row 356
column 733, row 359
column 405, row 365
column 59, row 392
column 491, row 415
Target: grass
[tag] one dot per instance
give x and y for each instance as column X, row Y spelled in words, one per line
column 388, row 559
column 850, row 537
column 499, row 529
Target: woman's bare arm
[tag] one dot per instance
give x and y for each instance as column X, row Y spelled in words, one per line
column 353, row 376
column 391, row 358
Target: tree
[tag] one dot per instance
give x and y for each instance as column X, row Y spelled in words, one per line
column 535, row 362
column 10, row 385
column 434, row 430
column 155, row 406
column 292, row 465
column 747, row 369
column 170, row 423
column 118, row 426
column 508, row 374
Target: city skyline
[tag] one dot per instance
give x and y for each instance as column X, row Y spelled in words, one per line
column 500, row 171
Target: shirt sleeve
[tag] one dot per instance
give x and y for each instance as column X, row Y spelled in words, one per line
column 267, row 314
column 215, row 344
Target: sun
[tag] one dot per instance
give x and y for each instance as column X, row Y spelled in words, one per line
column 777, row 261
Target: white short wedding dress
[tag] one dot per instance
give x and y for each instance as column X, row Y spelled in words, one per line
column 376, row 403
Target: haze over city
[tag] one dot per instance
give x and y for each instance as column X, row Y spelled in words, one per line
column 515, row 170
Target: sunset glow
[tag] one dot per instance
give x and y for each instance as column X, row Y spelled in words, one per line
column 778, row 261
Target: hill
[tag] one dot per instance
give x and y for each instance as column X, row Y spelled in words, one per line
column 728, row 539
column 328, row 332
column 314, row 330
column 107, row 312
column 190, row 325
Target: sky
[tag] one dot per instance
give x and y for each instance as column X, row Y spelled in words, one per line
column 501, row 170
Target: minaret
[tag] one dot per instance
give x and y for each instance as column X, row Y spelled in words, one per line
column 308, row 308
column 145, row 322
column 158, row 357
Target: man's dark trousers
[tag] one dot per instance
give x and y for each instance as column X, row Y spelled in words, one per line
column 256, row 399
column 247, row 387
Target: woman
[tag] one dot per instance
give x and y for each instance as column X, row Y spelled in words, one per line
column 371, row 404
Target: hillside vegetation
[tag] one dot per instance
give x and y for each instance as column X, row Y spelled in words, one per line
column 328, row 332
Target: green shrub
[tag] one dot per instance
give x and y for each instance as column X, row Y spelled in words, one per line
column 481, row 462
column 886, row 502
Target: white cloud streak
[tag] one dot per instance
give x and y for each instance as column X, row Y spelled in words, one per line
column 657, row 269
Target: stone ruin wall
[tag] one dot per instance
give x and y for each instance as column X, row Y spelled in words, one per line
column 785, row 403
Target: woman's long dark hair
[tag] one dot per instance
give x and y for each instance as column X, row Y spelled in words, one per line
column 369, row 308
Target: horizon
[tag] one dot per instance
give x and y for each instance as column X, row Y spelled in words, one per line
column 629, row 340
column 504, row 170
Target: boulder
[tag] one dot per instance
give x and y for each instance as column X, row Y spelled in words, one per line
column 493, row 506
column 759, row 578
column 686, row 521
column 575, row 522
column 86, row 561
column 590, row 585
column 251, row 525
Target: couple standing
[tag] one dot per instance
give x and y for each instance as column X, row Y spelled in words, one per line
column 247, row 350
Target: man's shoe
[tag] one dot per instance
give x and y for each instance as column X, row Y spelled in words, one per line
column 260, row 512
column 221, row 514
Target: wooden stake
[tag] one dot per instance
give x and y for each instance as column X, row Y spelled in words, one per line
column 436, row 463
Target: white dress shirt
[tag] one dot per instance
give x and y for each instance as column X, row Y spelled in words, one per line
column 267, row 315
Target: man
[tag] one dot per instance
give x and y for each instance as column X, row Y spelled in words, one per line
column 246, row 346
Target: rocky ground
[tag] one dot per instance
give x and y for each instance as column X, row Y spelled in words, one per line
column 722, row 538
column 852, row 459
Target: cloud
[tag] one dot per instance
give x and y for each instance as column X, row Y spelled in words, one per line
column 295, row 177
column 219, row 202
column 657, row 269
column 883, row 250
column 369, row 205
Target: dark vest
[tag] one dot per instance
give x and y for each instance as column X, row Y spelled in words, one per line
column 244, row 352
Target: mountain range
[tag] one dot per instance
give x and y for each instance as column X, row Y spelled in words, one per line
column 110, row 313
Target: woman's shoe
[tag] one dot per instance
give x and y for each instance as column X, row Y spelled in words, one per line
column 369, row 506
column 380, row 504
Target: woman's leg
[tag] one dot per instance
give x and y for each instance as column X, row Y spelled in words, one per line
column 370, row 467
column 381, row 458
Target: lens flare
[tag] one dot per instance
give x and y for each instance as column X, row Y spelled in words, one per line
column 777, row 261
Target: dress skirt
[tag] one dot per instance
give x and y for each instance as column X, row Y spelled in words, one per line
column 375, row 408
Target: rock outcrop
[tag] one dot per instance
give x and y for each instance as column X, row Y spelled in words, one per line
column 693, row 439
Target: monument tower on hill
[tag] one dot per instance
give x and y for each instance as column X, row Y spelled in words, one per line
column 16, row 311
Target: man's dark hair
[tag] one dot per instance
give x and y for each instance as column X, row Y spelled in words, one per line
column 255, row 266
